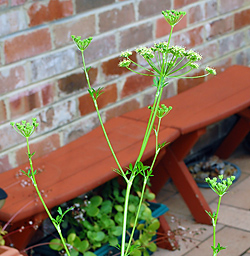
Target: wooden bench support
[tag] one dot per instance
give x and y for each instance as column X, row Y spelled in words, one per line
column 183, row 180
column 165, row 238
column 27, row 231
column 187, row 187
column 236, row 136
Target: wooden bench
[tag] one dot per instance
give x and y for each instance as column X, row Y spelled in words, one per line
column 72, row 170
column 193, row 110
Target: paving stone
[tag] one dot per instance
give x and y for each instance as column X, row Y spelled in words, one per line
column 232, row 216
column 184, row 248
column 237, row 242
column 177, row 205
column 238, row 196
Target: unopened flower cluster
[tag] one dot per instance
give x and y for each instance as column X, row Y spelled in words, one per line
column 25, row 128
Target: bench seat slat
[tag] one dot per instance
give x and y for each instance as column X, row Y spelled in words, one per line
column 78, row 167
column 218, row 98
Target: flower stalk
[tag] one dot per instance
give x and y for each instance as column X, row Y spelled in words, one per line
column 26, row 130
column 164, row 62
column 220, row 187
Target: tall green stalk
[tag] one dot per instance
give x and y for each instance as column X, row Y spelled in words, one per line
column 26, row 130
column 163, row 60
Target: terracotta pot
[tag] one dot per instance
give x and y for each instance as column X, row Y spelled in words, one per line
column 8, row 251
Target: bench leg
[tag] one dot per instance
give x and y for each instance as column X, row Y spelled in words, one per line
column 26, row 234
column 173, row 165
column 234, row 138
column 165, row 238
column 187, row 187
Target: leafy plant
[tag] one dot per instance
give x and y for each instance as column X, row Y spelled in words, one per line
column 98, row 220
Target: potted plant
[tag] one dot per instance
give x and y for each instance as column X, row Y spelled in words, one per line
column 94, row 226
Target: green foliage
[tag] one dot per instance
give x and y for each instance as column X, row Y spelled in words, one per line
column 217, row 249
column 97, row 220
column 2, row 234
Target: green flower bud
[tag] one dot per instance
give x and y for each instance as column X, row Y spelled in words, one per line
column 211, row 71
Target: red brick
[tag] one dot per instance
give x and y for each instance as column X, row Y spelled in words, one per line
column 23, row 103
column 196, row 14
column 39, row 13
column 12, row 78
column 122, row 109
column 190, row 38
column 219, row 27
column 185, row 84
column 211, row 9
column 48, row 93
column 209, row 52
column 4, row 163
column 242, row 19
column 62, row 32
column 27, row 45
column 42, row 147
column 86, row 104
column 182, row 3
column 230, row 43
column 116, row 18
column 98, row 49
column 111, row 68
column 147, row 8
column 135, row 84
column 57, row 115
column 12, row 21
column 163, row 28
column 3, row 114
column 228, row 6
column 135, row 36
column 76, row 82
column 8, row 137
column 222, row 64
column 17, row 2
column 85, row 5
column 3, row 3
column 80, row 128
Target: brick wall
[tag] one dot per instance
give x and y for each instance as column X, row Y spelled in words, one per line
column 40, row 68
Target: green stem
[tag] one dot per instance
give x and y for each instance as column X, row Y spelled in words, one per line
column 138, row 65
column 143, row 74
column 101, row 122
column 151, row 120
column 170, row 35
column 57, row 226
column 214, row 224
column 137, row 214
column 124, row 229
